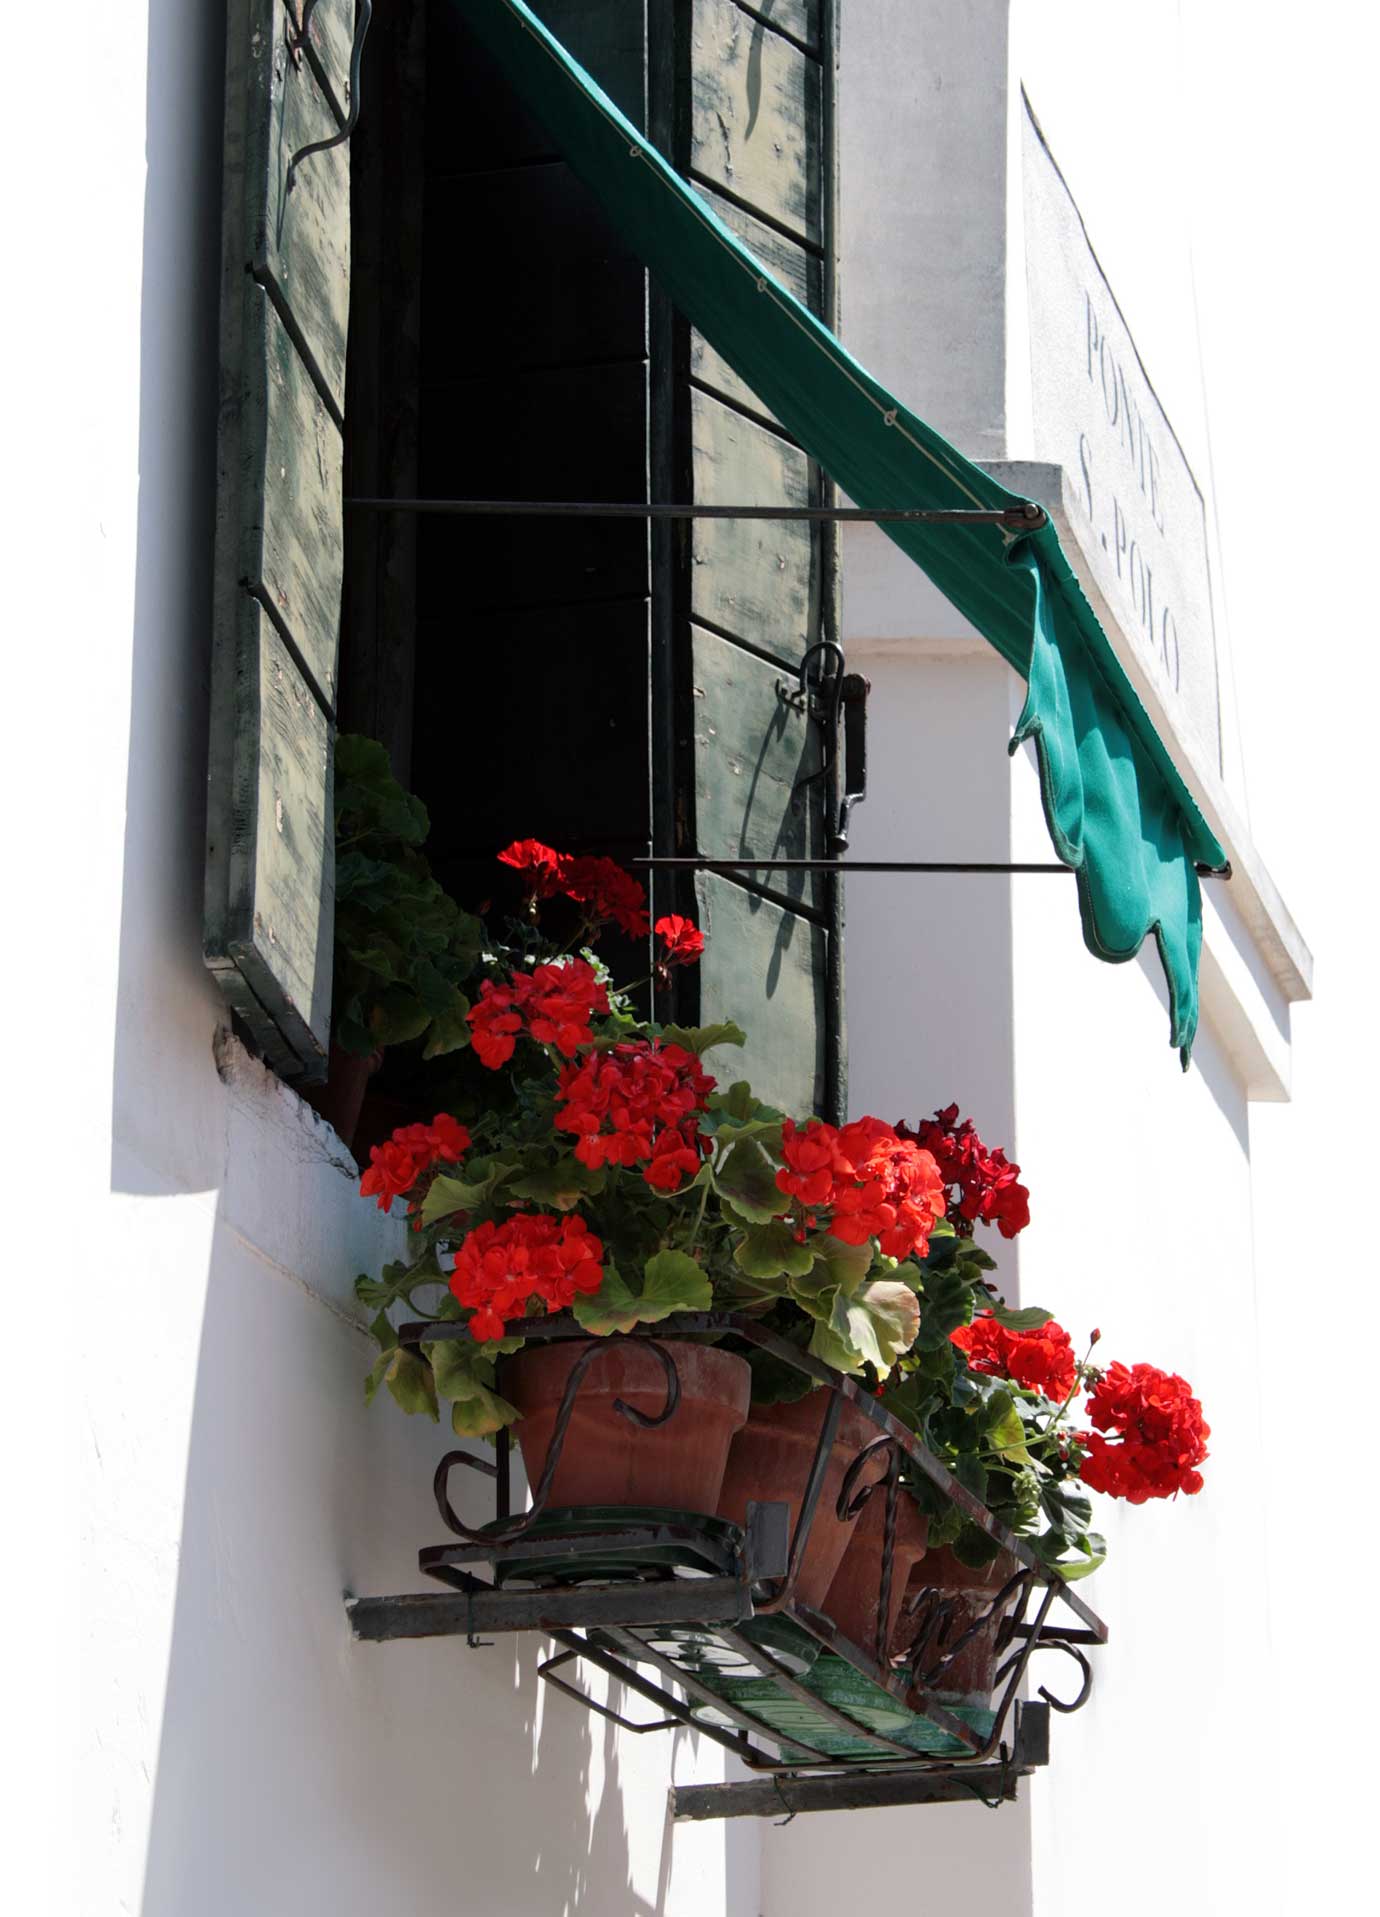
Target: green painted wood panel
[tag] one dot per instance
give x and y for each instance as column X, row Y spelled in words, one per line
column 279, row 539
column 800, row 271
column 768, row 968
column 330, row 37
column 797, row 17
column 293, row 540
column 755, row 754
column 756, row 578
column 270, row 897
column 299, row 241
column 755, row 123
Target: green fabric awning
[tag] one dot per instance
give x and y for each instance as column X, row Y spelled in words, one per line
column 1118, row 811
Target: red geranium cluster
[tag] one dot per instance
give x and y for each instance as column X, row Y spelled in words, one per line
column 637, row 1104
column 599, row 885
column 981, row 1183
column 682, row 939
column 1040, row 1360
column 1160, row 1435
column 863, row 1181
column 499, row 1269
column 554, row 1003
column 395, row 1167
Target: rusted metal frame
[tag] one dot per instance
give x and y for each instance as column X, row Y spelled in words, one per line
column 471, row 1605
column 884, row 1676
column 640, row 1650
column 788, row 1681
column 1050, row 1642
column 1014, row 1666
column 626, row 1673
column 516, row 1527
column 697, row 1324
column 851, row 1506
column 809, row 1504
column 559, row 1546
column 547, row 1670
column 874, row 1786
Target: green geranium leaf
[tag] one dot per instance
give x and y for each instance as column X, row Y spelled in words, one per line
column 946, row 1302
column 772, row 1251
column 737, row 1103
column 382, row 1332
column 971, row 1474
column 873, row 1326
column 841, row 1266
column 612, row 1308
column 410, row 1380
column 397, row 1016
column 703, row 1038
column 482, row 1414
column 450, row 1030
column 1065, row 1509
column 672, row 1281
column 1092, row 1546
column 464, row 1374
column 1005, row 1429
column 1028, row 1318
column 463, row 1194
column 561, row 1185
column 974, row 1548
column 747, row 1179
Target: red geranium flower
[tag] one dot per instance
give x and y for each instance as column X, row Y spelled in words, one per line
column 981, row 1183
column 501, row 1268
column 637, row 1104
column 542, row 868
column 395, row 1167
column 864, row 1182
column 1160, row 1435
column 495, row 1022
column 607, row 892
column 554, row 1004
column 682, row 938
column 1040, row 1360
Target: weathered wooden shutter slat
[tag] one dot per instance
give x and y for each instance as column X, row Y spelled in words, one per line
column 753, row 596
column 755, row 121
column 801, row 271
column 279, row 547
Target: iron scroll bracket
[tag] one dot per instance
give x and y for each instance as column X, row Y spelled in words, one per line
column 299, row 41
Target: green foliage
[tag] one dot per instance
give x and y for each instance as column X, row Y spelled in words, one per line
column 700, row 1039
column 772, row 1251
column 671, row 1282
column 747, row 1179
column 464, row 1376
column 403, row 947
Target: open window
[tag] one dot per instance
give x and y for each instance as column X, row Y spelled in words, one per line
column 609, row 685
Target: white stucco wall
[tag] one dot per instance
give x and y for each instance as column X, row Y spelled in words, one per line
column 181, row 1241
column 195, row 1366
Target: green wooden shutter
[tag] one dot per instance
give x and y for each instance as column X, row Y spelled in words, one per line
column 279, row 537
column 751, row 123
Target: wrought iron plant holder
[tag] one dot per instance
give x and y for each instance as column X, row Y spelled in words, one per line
column 711, row 1608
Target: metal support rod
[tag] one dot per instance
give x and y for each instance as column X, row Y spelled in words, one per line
column 874, row 1787
column 1026, row 517
column 697, row 863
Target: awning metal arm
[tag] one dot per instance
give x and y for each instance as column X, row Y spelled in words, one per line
column 1027, row 517
column 844, row 866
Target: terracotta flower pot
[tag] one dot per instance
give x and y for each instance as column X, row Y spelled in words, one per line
column 855, row 1596
column 965, row 1594
column 770, row 1462
column 341, row 1098
column 606, row 1458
